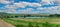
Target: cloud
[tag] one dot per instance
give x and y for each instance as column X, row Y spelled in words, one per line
column 35, row 12
column 57, row 1
column 11, row 11
column 51, row 2
column 11, row 8
column 50, row 10
column 47, row 1
column 20, row 5
column 5, row 1
column 27, row 11
column 24, row 4
column 34, row 4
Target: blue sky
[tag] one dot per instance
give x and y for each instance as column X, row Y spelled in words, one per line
column 30, row 6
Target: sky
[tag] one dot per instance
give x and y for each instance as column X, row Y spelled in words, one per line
column 30, row 6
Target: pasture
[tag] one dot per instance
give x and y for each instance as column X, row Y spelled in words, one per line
column 34, row 22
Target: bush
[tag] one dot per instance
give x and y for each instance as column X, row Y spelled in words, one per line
column 20, row 25
column 57, row 25
column 47, row 24
column 30, row 25
column 37, row 25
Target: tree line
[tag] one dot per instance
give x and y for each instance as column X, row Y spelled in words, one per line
column 5, row 15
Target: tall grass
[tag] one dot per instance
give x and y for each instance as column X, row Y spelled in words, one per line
column 19, row 23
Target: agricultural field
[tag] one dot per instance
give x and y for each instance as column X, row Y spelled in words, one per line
column 34, row 22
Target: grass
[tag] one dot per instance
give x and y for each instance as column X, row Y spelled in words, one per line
column 31, row 22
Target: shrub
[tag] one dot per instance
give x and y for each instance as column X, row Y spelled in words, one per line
column 30, row 25
column 57, row 25
column 47, row 24
column 20, row 25
column 37, row 25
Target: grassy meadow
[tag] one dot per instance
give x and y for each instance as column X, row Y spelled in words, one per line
column 34, row 22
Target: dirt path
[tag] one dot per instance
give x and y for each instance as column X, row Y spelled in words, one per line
column 5, row 24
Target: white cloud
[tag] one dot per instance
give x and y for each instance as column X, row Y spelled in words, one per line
column 24, row 4
column 11, row 8
column 21, row 5
column 5, row 1
column 11, row 11
column 47, row 1
column 35, row 12
column 34, row 4
column 50, row 10
column 40, row 8
column 57, row 1
column 28, row 10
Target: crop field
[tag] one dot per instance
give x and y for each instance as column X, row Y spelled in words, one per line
column 34, row 22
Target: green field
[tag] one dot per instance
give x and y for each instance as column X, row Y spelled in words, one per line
column 34, row 22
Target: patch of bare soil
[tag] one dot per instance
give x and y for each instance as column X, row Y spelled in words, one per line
column 5, row 24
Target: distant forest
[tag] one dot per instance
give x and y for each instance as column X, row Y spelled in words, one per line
column 8, row 15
